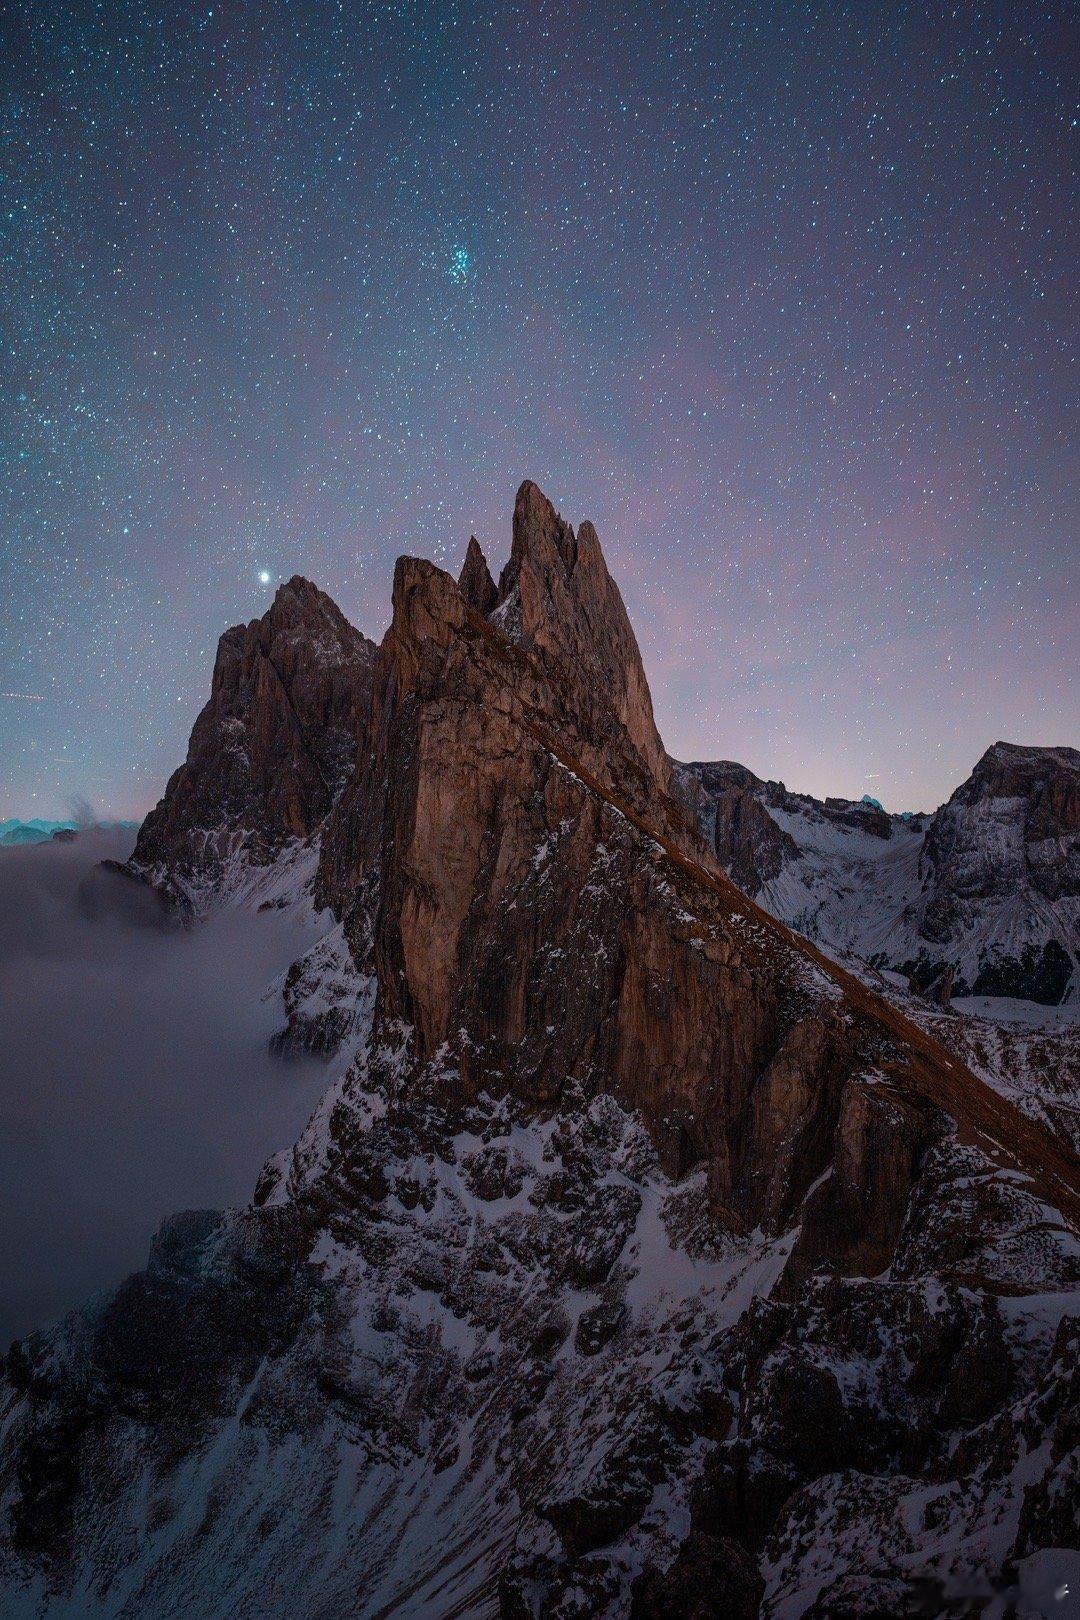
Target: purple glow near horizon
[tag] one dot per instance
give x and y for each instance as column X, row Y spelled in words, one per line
column 778, row 295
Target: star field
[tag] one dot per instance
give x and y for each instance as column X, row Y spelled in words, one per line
column 777, row 294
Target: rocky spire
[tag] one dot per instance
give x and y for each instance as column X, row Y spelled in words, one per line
column 475, row 581
column 557, row 599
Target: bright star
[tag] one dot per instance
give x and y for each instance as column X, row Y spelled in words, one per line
column 264, row 577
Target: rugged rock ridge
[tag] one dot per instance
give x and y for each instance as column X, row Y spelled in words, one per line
column 987, row 887
column 557, row 600
column 272, row 749
column 730, row 807
column 528, row 930
column 637, row 1255
column 1009, row 839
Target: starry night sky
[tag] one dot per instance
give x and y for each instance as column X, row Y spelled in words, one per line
column 777, row 294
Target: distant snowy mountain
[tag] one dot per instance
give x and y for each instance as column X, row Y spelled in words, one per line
column 14, row 832
column 986, row 889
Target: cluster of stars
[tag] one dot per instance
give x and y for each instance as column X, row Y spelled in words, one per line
column 779, row 296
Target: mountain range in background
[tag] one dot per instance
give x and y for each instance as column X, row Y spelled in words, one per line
column 15, row 833
column 984, row 892
column 665, row 1243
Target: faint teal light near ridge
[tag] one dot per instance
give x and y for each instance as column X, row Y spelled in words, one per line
column 460, row 265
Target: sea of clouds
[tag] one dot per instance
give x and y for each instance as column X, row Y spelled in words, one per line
column 135, row 1078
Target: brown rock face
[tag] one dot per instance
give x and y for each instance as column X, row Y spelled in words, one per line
column 783, row 1135
column 538, row 912
column 855, row 1215
column 726, row 801
column 274, row 745
column 557, row 600
column 475, row 581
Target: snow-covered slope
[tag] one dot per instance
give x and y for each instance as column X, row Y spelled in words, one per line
column 1028, row 1052
column 987, row 887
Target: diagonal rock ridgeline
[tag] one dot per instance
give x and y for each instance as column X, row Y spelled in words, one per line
column 537, row 908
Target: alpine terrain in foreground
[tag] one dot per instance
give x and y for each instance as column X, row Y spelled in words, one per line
column 641, row 1259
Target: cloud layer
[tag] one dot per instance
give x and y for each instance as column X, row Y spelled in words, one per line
column 134, row 1073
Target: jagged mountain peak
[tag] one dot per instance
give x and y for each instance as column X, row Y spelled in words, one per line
column 557, row 598
column 1060, row 753
column 625, row 1213
column 303, row 589
column 271, row 750
column 302, row 612
column 477, row 586
column 1019, row 769
column 557, row 603
column 429, row 607
column 299, row 611
column 541, row 537
column 549, row 563
column 295, row 601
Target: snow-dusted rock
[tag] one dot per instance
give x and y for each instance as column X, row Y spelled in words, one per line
column 638, row 1260
column 269, row 754
column 988, row 885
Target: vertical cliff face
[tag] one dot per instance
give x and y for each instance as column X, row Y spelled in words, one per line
column 496, row 862
column 1014, row 823
column 557, row 600
column 272, row 749
column 730, row 806
column 1001, row 866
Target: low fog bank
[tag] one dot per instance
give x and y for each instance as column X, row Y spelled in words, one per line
column 134, row 1073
